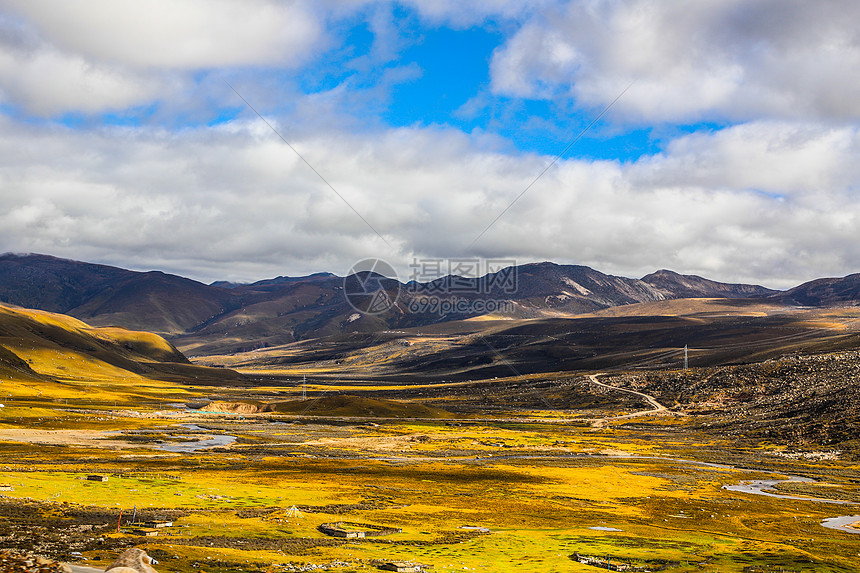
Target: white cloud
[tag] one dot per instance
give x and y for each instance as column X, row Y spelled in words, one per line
column 48, row 82
column 233, row 202
column 733, row 59
column 780, row 158
column 177, row 34
column 112, row 55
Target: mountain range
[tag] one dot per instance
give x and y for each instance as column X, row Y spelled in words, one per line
column 224, row 316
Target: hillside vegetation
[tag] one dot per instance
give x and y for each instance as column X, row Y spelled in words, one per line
column 44, row 353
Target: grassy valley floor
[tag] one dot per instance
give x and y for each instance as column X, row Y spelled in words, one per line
column 467, row 494
column 544, row 472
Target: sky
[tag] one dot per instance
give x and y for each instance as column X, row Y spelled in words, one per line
column 717, row 137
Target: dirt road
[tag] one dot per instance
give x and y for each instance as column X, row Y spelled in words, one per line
column 656, row 407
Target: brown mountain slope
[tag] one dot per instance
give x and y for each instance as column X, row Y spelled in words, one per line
column 692, row 286
column 275, row 314
column 205, row 319
column 651, row 336
column 824, row 292
column 156, row 302
column 109, row 296
column 39, row 345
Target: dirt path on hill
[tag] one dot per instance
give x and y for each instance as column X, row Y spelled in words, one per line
column 656, row 407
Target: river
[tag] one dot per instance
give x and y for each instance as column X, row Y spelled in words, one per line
column 213, row 441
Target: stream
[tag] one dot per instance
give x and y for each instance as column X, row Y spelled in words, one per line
column 760, row 487
column 190, row 447
column 842, row 523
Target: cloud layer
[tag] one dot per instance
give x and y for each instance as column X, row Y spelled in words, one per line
column 764, row 201
column 107, row 55
column 757, row 181
column 732, row 59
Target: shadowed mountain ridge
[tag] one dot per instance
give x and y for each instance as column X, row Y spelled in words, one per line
column 236, row 317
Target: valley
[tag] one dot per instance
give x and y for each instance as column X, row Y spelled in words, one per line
column 492, row 443
column 506, row 286
column 529, row 491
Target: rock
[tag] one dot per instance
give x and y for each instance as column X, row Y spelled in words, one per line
column 132, row 560
column 14, row 561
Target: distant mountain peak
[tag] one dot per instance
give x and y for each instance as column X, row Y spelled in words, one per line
column 663, row 273
column 285, row 309
column 282, row 280
column 694, row 286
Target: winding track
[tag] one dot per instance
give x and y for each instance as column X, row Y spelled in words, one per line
column 656, row 407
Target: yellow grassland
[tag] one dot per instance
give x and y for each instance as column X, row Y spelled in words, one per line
column 538, row 486
column 539, row 509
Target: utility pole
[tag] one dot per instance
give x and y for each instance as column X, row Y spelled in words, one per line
column 686, row 362
column 304, row 387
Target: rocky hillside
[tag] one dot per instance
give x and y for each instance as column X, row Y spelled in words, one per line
column 799, row 398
